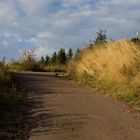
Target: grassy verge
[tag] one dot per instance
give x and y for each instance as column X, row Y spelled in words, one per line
column 14, row 108
column 55, row 69
column 36, row 67
column 125, row 94
column 112, row 69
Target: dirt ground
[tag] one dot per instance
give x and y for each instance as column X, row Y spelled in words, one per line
column 63, row 110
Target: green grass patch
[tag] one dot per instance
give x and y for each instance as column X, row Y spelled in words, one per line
column 55, row 70
column 125, row 94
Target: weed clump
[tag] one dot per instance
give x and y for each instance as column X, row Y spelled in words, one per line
column 14, row 107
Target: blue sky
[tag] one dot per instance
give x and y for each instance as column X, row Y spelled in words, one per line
column 48, row 25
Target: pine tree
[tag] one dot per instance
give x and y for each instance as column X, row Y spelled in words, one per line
column 47, row 60
column 70, row 54
column 62, row 57
column 42, row 60
column 77, row 54
column 54, row 58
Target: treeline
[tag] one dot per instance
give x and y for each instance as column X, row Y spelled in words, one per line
column 57, row 62
column 57, row 58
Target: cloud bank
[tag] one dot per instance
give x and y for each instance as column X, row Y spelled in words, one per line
column 47, row 26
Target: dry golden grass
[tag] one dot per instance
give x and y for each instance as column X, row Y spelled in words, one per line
column 114, row 66
column 115, row 63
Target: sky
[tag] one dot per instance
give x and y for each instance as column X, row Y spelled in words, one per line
column 48, row 25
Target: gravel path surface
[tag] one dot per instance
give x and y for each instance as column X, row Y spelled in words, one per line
column 63, row 110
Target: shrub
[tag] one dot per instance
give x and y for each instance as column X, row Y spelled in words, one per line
column 14, row 123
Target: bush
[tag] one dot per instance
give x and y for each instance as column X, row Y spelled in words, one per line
column 14, row 109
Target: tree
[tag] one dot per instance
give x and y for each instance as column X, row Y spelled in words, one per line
column 101, row 37
column 28, row 59
column 77, row 54
column 54, row 58
column 136, row 39
column 47, row 60
column 42, row 60
column 28, row 55
column 61, row 57
column 70, row 54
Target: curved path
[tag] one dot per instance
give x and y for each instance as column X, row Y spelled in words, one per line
column 63, row 110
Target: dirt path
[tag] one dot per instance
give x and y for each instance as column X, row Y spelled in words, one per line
column 65, row 111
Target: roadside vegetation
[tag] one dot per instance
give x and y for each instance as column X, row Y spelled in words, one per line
column 111, row 67
column 14, row 108
column 55, row 63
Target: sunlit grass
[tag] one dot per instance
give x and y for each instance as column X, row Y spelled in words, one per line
column 115, row 66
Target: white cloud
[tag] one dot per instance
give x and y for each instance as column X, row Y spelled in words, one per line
column 41, row 46
column 7, row 35
column 4, row 43
column 15, row 23
column 47, row 25
column 35, row 6
column 69, row 3
column 43, row 51
column 46, row 35
column 8, row 13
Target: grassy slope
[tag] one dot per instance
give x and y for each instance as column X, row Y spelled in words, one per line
column 113, row 68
